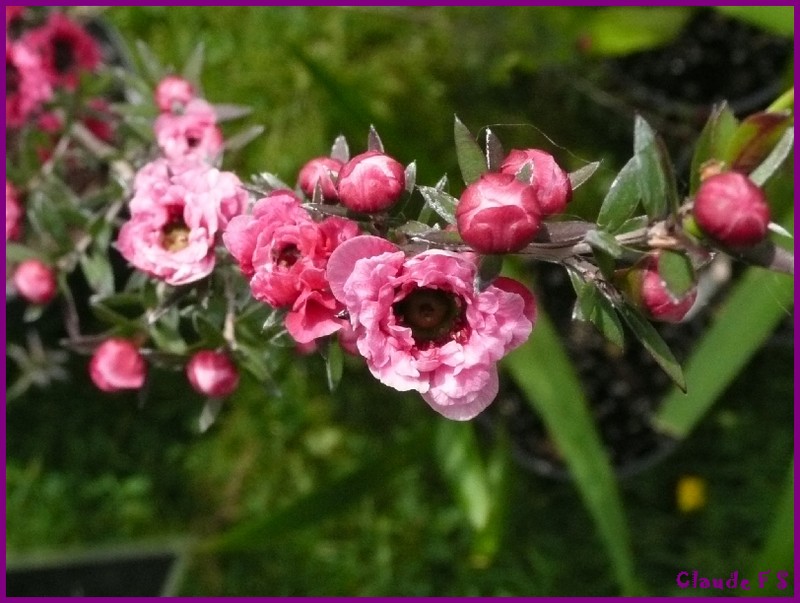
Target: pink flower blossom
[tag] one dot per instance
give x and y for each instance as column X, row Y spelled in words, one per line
column 173, row 93
column 284, row 253
column 175, row 221
column 192, row 134
column 27, row 86
column 66, row 49
column 421, row 325
column 13, row 213
column 550, row 183
column 35, row 281
column 322, row 170
column 212, row 374
column 117, row 365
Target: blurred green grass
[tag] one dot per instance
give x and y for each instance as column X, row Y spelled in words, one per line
column 86, row 469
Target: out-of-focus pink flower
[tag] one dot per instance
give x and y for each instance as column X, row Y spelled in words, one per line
column 322, row 170
column 13, row 20
column 498, row 214
column 35, row 281
column 193, row 134
column 371, row 182
column 13, row 213
column 173, row 93
column 174, row 223
column 731, row 209
column 284, row 253
column 66, row 49
column 550, row 183
column 421, row 325
column 117, row 365
column 212, row 374
column 27, row 86
column 99, row 120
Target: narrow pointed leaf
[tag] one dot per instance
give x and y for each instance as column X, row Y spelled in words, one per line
column 241, row 139
column 494, row 151
column 340, row 151
column 152, row 66
column 411, row 176
column 621, row 200
column 713, row 142
column 525, row 173
column 374, row 142
column 676, row 270
column 209, row 414
column 774, row 160
column 656, row 178
column 604, row 242
column 755, row 138
column 581, row 175
column 193, row 68
column 653, row 343
column 334, row 365
column 489, row 268
column 442, row 203
column 228, row 112
column 470, row 157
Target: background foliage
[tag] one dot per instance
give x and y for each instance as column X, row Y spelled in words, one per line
column 364, row 491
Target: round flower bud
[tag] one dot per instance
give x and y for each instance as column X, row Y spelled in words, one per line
column 35, row 281
column 117, row 365
column 173, row 91
column 13, row 213
column 551, row 183
column 371, row 182
column 324, row 170
column 212, row 374
column 498, row 214
column 731, row 209
column 645, row 287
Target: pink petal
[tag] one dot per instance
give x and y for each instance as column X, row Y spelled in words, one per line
column 344, row 258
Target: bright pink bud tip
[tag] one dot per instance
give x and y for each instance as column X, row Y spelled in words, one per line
column 658, row 302
column 551, row 183
column 117, row 365
column 498, row 214
column 731, row 209
column 322, row 170
column 371, row 182
column 35, row 281
column 173, row 92
column 212, row 374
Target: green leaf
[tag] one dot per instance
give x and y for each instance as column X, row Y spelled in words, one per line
column 494, row 151
column 622, row 198
column 593, row 307
column 713, row 142
column 622, row 30
column 334, row 364
column 246, row 136
column 774, row 160
column 656, row 177
column 374, row 142
column 326, row 501
column 470, row 157
column 411, row 176
column 604, row 242
column 755, row 138
column 653, row 343
column 753, row 309
column 153, row 68
column 545, row 375
column 676, row 270
column 98, row 272
column 16, row 252
column 489, row 268
column 776, row 19
column 193, row 68
column 339, row 150
column 228, row 111
column 581, row 175
column 442, row 203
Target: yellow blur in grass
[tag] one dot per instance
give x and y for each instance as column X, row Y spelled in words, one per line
column 691, row 494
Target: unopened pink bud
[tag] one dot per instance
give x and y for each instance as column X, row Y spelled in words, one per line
column 35, row 281
column 731, row 209
column 498, row 214
column 212, row 374
column 656, row 299
column 117, row 365
column 173, row 91
column 371, row 182
column 551, row 183
column 13, row 213
column 324, row 170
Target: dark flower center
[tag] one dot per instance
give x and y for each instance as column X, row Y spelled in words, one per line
column 193, row 139
column 12, row 78
column 175, row 236
column 434, row 316
column 63, row 55
column 287, row 256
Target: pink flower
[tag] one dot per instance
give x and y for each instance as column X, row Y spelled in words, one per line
column 284, row 253
column 550, row 182
column 421, row 325
column 35, row 281
column 371, row 182
column 13, row 213
column 498, row 214
column 173, row 93
column 99, row 120
column 731, row 209
column 66, row 49
column 27, row 86
column 212, row 374
column 174, row 222
column 117, row 365
column 322, row 170
column 193, row 134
